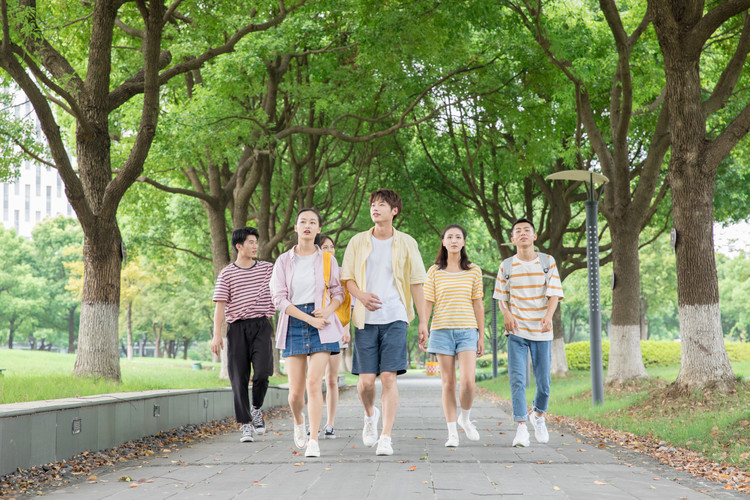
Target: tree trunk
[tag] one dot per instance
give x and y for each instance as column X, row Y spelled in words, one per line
column 72, row 330
column 130, row 330
column 559, row 360
column 644, row 318
column 625, row 359
column 693, row 163
column 704, row 361
column 11, row 331
column 157, row 339
column 185, row 344
column 97, row 339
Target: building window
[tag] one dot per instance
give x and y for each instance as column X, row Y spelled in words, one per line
column 38, row 216
column 70, row 210
column 39, row 180
column 59, row 187
column 17, row 188
column 49, row 201
column 5, row 200
column 17, row 220
column 27, row 212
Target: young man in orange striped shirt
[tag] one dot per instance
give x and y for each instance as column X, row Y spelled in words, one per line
column 528, row 294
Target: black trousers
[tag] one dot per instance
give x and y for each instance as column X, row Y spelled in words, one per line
column 249, row 346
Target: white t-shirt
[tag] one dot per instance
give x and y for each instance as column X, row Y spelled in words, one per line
column 380, row 281
column 303, row 280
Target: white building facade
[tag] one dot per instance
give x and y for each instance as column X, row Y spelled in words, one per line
column 38, row 191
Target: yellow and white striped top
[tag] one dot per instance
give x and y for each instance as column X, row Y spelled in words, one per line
column 525, row 291
column 452, row 294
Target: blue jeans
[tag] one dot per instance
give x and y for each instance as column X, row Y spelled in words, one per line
column 541, row 359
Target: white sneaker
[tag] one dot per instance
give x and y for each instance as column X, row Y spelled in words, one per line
column 522, row 436
column 370, row 430
column 540, row 428
column 300, row 433
column 468, row 426
column 452, row 441
column 313, row 450
column 384, row 445
column 247, row 433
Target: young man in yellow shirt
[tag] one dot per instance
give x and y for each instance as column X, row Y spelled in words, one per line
column 384, row 272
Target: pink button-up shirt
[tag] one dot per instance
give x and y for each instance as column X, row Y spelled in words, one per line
column 281, row 283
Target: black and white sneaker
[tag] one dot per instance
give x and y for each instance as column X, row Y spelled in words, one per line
column 330, row 432
column 258, row 423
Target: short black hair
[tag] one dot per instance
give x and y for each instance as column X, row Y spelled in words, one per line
column 520, row 221
column 389, row 196
column 240, row 235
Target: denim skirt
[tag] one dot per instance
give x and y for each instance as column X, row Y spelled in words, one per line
column 302, row 338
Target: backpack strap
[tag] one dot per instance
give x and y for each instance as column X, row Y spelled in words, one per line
column 507, row 267
column 326, row 274
column 544, row 261
column 326, row 268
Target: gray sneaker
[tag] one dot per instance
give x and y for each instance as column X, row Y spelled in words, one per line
column 330, row 432
column 258, row 423
column 247, row 433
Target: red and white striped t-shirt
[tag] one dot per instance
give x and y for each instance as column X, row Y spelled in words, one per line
column 246, row 291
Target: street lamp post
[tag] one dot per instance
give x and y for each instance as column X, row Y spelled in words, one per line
column 590, row 179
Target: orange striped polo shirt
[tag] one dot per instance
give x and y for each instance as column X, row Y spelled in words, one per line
column 527, row 295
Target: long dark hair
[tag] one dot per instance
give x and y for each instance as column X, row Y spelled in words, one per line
column 441, row 261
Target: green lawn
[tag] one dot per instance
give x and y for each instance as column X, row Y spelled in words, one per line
column 716, row 425
column 35, row 375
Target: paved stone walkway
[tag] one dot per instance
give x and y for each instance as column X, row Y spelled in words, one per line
column 421, row 467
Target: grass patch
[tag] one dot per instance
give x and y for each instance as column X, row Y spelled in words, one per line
column 35, row 375
column 715, row 425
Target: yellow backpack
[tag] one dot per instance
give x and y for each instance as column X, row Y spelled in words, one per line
column 344, row 311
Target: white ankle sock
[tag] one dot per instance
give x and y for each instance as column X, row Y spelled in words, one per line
column 452, row 428
column 466, row 413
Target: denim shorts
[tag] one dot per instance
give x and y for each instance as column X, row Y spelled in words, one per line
column 302, row 338
column 380, row 348
column 452, row 341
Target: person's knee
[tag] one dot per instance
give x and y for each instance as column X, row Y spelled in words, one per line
column 388, row 380
column 332, row 383
column 449, row 385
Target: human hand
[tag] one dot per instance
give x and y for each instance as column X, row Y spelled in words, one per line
column 511, row 325
column 217, row 344
column 370, row 301
column 546, row 324
column 318, row 323
column 424, row 335
column 322, row 313
column 480, row 347
column 347, row 337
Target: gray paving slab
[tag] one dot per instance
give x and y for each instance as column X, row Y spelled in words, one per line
column 565, row 468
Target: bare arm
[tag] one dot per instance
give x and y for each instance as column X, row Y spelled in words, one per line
column 551, row 306
column 417, row 293
column 217, row 342
column 428, row 312
column 478, row 305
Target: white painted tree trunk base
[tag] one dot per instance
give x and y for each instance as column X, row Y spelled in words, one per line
column 98, row 352
column 704, row 359
column 559, row 359
column 625, row 358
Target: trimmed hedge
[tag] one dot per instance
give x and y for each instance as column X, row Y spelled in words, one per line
column 654, row 352
column 486, row 360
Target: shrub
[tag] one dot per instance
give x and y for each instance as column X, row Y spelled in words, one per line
column 486, row 360
column 738, row 351
column 660, row 352
column 654, row 352
column 578, row 355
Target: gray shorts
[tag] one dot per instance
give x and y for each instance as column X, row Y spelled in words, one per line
column 380, row 348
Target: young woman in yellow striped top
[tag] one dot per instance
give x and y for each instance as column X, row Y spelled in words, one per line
column 454, row 288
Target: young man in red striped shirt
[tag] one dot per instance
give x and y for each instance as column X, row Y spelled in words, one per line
column 528, row 295
column 243, row 298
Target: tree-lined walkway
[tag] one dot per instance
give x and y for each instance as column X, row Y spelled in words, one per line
column 421, row 466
